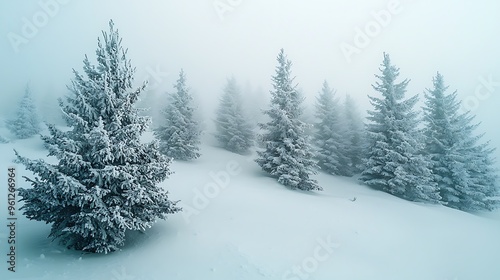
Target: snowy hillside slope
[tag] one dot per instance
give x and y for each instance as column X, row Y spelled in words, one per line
column 238, row 223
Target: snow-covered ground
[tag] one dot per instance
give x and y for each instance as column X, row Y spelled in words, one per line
column 238, row 223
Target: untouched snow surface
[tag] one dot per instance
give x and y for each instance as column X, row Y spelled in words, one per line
column 238, row 223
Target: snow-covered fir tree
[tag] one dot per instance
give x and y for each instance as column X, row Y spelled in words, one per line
column 105, row 180
column 27, row 122
column 180, row 134
column 354, row 135
column 287, row 154
column 234, row 132
column 329, row 135
column 462, row 167
column 395, row 162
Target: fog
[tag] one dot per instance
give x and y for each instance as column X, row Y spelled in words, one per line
column 340, row 41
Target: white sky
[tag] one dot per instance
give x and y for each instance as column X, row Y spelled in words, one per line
column 458, row 38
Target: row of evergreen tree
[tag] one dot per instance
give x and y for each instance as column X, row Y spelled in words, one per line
column 443, row 162
column 439, row 158
column 105, row 180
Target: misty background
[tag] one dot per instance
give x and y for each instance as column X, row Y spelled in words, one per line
column 212, row 40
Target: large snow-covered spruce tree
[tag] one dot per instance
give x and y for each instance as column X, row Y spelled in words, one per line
column 329, row 134
column 105, row 180
column 287, row 154
column 462, row 167
column 234, row 132
column 26, row 123
column 180, row 134
column 395, row 162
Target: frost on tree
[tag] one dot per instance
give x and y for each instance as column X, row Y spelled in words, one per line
column 287, row 154
column 462, row 167
column 234, row 132
column 329, row 135
column 395, row 162
column 105, row 180
column 180, row 135
column 26, row 123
